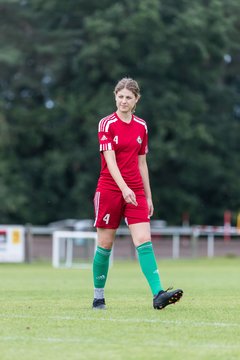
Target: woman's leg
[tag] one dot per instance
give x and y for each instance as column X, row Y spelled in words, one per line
column 141, row 236
column 101, row 264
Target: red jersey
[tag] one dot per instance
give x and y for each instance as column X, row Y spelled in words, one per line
column 128, row 140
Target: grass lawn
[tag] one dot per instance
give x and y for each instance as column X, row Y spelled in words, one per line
column 46, row 313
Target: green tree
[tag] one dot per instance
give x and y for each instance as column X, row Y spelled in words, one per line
column 58, row 69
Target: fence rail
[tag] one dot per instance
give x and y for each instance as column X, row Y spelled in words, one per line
column 193, row 233
column 172, row 242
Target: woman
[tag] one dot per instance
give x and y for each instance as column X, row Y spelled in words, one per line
column 123, row 191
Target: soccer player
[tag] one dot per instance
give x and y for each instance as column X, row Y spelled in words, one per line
column 123, row 191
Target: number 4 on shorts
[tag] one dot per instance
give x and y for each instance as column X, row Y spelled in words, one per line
column 106, row 218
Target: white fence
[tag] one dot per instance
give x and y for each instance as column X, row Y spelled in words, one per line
column 194, row 233
column 37, row 242
column 63, row 241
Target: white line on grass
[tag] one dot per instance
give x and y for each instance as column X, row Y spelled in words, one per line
column 130, row 320
column 174, row 322
column 172, row 344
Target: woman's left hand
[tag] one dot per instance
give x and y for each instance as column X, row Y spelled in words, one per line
column 150, row 207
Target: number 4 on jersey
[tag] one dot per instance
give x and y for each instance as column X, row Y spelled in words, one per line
column 115, row 139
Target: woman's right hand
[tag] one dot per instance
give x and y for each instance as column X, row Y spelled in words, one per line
column 129, row 196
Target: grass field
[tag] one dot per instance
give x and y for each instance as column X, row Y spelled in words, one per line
column 46, row 313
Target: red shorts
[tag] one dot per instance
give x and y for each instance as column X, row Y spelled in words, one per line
column 110, row 207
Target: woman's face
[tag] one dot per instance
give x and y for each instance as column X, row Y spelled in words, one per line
column 125, row 100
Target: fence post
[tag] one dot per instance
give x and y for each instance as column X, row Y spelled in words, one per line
column 28, row 243
column 55, row 251
column 210, row 245
column 176, row 246
column 195, row 235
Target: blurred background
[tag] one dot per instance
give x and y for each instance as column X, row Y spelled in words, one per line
column 59, row 63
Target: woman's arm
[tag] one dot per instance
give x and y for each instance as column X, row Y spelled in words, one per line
column 128, row 194
column 142, row 163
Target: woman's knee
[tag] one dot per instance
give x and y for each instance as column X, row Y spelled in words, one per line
column 105, row 243
column 141, row 240
column 105, row 238
column 140, row 233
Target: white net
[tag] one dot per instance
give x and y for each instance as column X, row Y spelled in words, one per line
column 73, row 248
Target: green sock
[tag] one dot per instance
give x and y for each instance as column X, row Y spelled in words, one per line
column 100, row 267
column 148, row 265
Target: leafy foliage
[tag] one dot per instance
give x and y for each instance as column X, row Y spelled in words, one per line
column 59, row 64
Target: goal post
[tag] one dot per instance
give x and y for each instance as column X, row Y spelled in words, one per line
column 73, row 248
